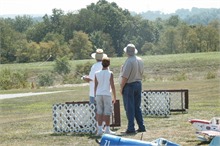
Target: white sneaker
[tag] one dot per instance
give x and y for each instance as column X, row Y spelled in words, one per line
column 99, row 133
column 110, row 132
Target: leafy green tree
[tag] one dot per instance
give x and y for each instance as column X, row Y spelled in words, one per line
column 8, row 37
column 208, row 37
column 146, row 33
column 48, row 24
column 159, row 27
column 62, row 65
column 57, row 20
column 45, row 50
column 89, row 21
column 132, row 28
column 201, row 35
column 192, row 42
column 159, row 24
column 34, row 51
column 80, row 45
column 22, row 55
column 168, row 41
column 82, row 69
column 173, row 21
column 46, row 79
column 216, row 35
column 183, row 31
column 59, row 48
column 37, row 32
column 56, row 37
column 12, row 79
column 102, row 40
column 70, row 25
column 22, row 23
column 212, row 38
column 148, row 49
column 105, row 25
column 114, row 19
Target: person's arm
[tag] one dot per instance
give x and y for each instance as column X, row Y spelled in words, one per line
column 113, row 87
column 127, row 67
column 123, row 82
column 91, row 76
column 86, row 78
column 95, row 87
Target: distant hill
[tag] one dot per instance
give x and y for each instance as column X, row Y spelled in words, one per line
column 193, row 16
column 14, row 15
column 36, row 17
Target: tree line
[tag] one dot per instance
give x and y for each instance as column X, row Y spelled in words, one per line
column 190, row 16
column 77, row 34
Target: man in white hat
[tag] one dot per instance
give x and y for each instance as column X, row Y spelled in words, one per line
column 131, row 88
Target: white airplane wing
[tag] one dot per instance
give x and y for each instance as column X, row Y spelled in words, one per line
column 209, row 133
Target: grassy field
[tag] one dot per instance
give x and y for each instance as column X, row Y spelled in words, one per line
column 28, row 120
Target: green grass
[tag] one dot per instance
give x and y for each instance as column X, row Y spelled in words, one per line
column 29, row 121
column 157, row 67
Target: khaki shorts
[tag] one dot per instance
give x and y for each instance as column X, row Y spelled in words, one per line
column 103, row 104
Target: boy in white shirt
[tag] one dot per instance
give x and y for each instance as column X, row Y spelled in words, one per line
column 98, row 55
column 104, row 84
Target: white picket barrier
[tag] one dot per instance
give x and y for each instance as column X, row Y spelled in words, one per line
column 74, row 117
column 163, row 102
column 155, row 104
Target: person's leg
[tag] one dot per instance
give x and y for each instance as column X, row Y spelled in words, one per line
column 99, row 114
column 91, row 100
column 99, row 119
column 137, row 101
column 99, row 127
column 128, row 98
column 107, row 120
column 107, row 127
column 107, row 113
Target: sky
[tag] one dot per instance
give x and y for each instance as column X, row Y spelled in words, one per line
column 20, row 7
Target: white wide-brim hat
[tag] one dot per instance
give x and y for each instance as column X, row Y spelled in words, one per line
column 130, row 48
column 98, row 55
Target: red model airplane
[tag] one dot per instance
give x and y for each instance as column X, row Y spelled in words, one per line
column 206, row 130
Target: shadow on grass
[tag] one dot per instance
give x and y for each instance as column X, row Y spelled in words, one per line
column 204, row 143
column 92, row 136
column 156, row 117
column 200, row 143
column 179, row 113
column 89, row 135
column 165, row 116
column 74, row 134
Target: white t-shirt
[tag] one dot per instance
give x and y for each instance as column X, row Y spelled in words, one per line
column 95, row 67
column 103, row 78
